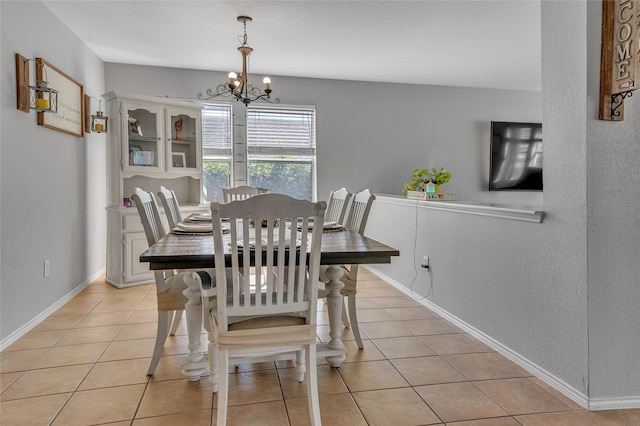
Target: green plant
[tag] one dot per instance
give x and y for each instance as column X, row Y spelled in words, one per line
column 441, row 176
column 421, row 177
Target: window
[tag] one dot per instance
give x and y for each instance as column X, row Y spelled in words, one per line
column 216, row 150
column 281, row 144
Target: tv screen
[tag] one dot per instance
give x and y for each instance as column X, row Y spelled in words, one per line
column 516, row 156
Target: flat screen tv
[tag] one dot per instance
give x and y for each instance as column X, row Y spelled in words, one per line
column 516, row 156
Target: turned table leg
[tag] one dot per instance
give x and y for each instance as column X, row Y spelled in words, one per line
column 195, row 364
column 334, row 306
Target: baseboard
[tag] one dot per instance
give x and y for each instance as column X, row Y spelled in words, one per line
column 598, row 404
column 553, row 381
column 51, row 309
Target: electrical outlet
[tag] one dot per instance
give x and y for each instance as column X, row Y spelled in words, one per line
column 46, row 268
column 425, row 262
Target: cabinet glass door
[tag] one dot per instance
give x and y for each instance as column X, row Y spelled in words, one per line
column 142, row 136
column 183, row 126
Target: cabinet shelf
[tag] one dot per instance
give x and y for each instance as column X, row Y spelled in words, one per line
column 174, row 164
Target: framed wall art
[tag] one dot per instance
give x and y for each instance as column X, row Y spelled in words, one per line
column 68, row 119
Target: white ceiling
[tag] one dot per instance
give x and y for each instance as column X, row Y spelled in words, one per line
column 473, row 43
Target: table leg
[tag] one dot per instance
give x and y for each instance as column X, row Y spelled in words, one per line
column 195, row 364
column 334, row 306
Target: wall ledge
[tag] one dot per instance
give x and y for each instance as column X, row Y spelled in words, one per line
column 501, row 211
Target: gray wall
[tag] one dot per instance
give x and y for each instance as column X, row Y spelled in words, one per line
column 613, row 237
column 372, row 135
column 53, row 186
column 561, row 296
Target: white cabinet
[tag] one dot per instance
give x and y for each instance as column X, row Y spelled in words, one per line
column 152, row 142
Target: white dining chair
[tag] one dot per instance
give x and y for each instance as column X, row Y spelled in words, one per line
column 273, row 317
column 337, row 205
column 170, row 205
column 169, row 284
column 239, row 193
column 356, row 221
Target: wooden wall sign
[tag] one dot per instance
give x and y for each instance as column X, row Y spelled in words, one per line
column 619, row 56
column 22, row 82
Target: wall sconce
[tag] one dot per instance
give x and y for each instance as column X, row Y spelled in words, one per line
column 98, row 120
column 39, row 97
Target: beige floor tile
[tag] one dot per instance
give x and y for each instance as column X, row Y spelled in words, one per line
column 100, row 406
column 73, row 309
column 373, row 315
column 409, row 313
column 482, row 366
column 267, row 413
column 365, row 303
column 103, row 319
column 6, row 379
column 394, row 302
column 428, row 370
column 521, row 396
column 459, row 401
column 389, row 407
column 445, row 344
column 498, row 421
column 615, row 417
column 379, row 382
column 254, row 387
column 570, row 402
column 127, row 349
column 371, row 375
column 403, row 347
column 369, row 353
column 335, row 410
column 329, row 382
column 146, row 315
column 145, row 330
column 381, row 330
column 573, row 418
column 79, row 336
column 116, row 373
column 37, row 411
column 37, row 339
column 374, row 292
column 59, row 356
column 19, row 360
column 46, row 381
column 194, row 418
column 175, row 396
column 169, row 368
column 426, row 327
column 58, row 323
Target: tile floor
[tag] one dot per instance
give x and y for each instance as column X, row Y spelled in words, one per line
column 86, row 365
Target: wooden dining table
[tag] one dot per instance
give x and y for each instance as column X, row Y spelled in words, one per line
column 195, row 252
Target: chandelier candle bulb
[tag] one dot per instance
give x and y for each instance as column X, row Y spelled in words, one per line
column 267, row 83
column 232, row 77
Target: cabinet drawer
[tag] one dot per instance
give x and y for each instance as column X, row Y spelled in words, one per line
column 132, row 223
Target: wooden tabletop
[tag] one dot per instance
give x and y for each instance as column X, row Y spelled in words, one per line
column 196, row 251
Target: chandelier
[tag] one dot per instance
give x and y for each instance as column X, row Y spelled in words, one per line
column 239, row 87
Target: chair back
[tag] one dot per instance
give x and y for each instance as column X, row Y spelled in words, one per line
column 170, row 205
column 337, row 205
column 149, row 214
column 239, row 193
column 359, row 211
column 287, row 260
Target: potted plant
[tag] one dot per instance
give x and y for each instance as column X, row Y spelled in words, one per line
column 440, row 177
column 421, row 178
